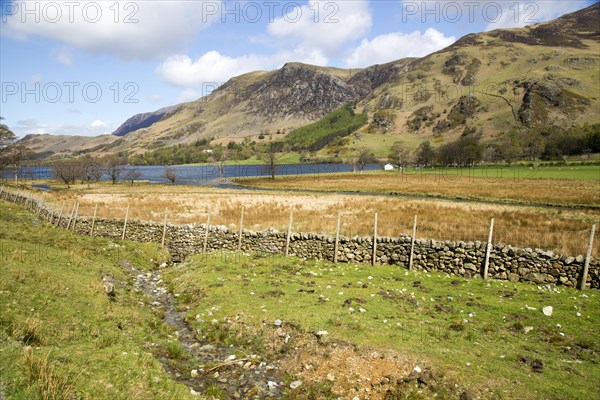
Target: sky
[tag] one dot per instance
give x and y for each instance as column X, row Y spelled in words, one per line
column 83, row 67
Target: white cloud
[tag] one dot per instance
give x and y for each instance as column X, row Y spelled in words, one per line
column 490, row 14
column 64, row 56
column 188, row 95
column 214, row 68
column 98, row 124
column 393, row 46
column 129, row 30
column 519, row 14
column 323, row 25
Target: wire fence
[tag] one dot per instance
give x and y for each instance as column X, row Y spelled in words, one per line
column 562, row 237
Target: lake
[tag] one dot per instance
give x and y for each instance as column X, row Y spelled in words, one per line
column 207, row 174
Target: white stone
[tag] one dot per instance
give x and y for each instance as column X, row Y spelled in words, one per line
column 295, row 384
column 548, row 310
column 417, row 369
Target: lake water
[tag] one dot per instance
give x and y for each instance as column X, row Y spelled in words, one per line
column 208, row 174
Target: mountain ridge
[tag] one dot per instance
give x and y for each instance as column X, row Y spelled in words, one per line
column 496, row 83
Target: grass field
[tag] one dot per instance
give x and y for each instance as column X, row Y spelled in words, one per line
column 489, row 339
column 61, row 337
column 569, row 186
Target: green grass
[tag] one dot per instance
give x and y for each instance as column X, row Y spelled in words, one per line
column 470, row 331
column 61, row 337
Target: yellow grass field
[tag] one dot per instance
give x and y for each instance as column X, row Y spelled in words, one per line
column 520, row 190
column 562, row 230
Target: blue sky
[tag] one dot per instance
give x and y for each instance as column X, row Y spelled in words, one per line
column 83, row 67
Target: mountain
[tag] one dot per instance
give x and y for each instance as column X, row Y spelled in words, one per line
column 497, row 83
column 144, row 120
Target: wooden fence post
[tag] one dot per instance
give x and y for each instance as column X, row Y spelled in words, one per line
column 94, row 220
column 125, row 223
column 164, row 233
column 488, row 249
column 241, row 234
column 75, row 218
column 71, row 216
column 1, row 191
column 61, row 213
column 588, row 257
column 39, row 208
column 412, row 244
column 289, row 233
column 337, row 237
column 206, row 233
column 374, row 240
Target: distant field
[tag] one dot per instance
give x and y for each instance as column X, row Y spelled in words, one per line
column 568, row 186
column 486, row 339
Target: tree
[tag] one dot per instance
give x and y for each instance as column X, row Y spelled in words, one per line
column 399, row 156
column 270, row 157
column 170, row 174
column 132, row 174
column 66, row 171
column 114, row 166
column 7, row 139
column 425, row 154
column 14, row 156
column 363, row 157
column 220, row 162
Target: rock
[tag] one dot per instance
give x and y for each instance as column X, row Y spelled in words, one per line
column 320, row 334
column 513, row 277
column 527, row 329
column 417, row 369
column 535, row 277
column 109, row 289
column 194, row 373
column 330, row 377
column 470, row 266
column 548, row 310
column 569, row 260
column 295, row 384
column 277, row 322
column 272, row 385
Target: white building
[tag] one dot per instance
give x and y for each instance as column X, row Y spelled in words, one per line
column 388, row 167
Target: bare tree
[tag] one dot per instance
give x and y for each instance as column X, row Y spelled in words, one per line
column 270, row 156
column 399, row 156
column 220, row 162
column 132, row 174
column 363, row 157
column 114, row 167
column 170, row 174
column 65, row 171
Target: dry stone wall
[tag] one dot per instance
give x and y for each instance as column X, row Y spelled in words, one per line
column 453, row 257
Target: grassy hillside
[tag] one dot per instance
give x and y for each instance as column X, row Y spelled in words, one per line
column 61, row 336
column 488, row 339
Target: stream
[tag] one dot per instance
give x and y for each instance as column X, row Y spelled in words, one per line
column 215, row 368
